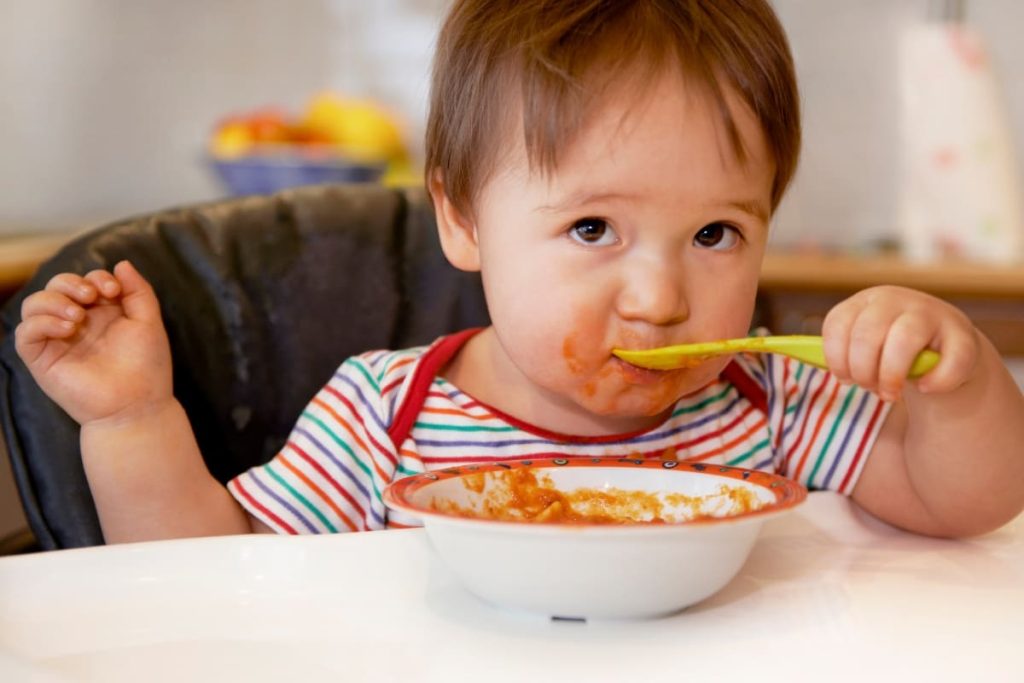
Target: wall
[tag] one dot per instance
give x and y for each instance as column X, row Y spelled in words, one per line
column 107, row 104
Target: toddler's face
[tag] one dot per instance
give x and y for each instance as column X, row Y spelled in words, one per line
column 649, row 233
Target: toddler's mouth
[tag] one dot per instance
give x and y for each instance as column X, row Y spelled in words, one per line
column 638, row 375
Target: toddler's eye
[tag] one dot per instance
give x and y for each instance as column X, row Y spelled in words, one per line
column 717, row 236
column 593, row 232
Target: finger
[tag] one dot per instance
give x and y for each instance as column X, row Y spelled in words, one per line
column 908, row 335
column 867, row 336
column 74, row 286
column 31, row 335
column 104, row 282
column 137, row 295
column 835, row 334
column 958, row 348
column 48, row 302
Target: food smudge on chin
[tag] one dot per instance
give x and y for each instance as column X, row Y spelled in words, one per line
column 519, row 496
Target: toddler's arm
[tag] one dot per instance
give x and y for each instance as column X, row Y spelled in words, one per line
column 96, row 345
column 949, row 460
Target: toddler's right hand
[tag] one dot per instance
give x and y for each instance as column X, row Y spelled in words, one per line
column 96, row 344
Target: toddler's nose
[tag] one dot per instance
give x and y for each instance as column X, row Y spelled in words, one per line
column 653, row 292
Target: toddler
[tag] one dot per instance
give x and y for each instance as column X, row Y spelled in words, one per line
column 611, row 168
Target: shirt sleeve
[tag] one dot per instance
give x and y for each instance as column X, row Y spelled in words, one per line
column 821, row 430
column 330, row 473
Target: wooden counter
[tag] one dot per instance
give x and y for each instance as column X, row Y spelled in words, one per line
column 20, row 257
column 798, row 289
column 794, row 271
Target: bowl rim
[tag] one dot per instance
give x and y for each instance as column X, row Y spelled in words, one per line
column 788, row 493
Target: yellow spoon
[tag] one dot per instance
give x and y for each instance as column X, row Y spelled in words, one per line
column 805, row 348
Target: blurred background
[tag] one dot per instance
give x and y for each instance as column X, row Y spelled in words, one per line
column 108, row 105
column 910, row 174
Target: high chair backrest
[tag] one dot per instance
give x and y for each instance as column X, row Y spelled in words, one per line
column 262, row 298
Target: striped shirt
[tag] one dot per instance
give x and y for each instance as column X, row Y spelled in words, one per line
column 330, row 474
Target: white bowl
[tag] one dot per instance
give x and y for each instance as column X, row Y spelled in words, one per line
column 583, row 570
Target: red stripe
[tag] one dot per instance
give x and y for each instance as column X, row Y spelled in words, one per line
column 817, row 430
column 654, row 452
column 785, row 403
column 359, row 419
column 807, row 416
column 746, row 385
column 422, row 379
column 729, row 444
column 397, row 382
column 323, row 473
column 860, row 449
column 319, row 491
column 262, row 508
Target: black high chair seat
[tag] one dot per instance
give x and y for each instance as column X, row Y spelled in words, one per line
column 262, row 297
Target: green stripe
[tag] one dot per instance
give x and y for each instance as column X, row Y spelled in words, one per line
column 703, row 404
column 362, row 465
column 831, row 434
column 744, row 456
column 302, row 499
column 462, row 428
column 364, row 372
column 394, row 358
column 796, row 378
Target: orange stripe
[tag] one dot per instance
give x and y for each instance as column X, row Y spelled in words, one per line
column 411, row 454
column 817, row 428
column 860, row 449
column 729, row 444
column 355, row 437
column 390, row 386
column 400, row 363
column 319, row 491
column 456, row 412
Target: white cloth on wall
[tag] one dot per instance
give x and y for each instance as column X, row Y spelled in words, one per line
column 961, row 193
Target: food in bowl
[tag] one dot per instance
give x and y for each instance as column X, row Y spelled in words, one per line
column 630, row 559
column 520, row 495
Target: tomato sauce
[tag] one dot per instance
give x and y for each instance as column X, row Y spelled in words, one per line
column 519, row 496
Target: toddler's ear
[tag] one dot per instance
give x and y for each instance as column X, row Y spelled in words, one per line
column 457, row 232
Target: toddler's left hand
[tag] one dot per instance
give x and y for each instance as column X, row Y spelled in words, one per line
column 872, row 338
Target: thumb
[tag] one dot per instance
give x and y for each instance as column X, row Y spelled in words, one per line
column 137, row 296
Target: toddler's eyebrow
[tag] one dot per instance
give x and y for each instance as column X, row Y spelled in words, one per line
column 582, row 199
column 752, row 207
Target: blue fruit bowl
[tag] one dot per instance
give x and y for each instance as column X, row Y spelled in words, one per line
column 268, row 173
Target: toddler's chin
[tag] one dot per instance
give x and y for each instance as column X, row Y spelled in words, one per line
column 637, row 408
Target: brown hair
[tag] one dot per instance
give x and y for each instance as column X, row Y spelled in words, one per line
column 550, row 49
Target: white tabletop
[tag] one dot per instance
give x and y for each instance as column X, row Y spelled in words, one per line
column 828, row 594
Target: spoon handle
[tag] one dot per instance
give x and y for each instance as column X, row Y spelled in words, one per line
column 806, row 348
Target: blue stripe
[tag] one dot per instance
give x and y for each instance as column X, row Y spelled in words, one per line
column 367, row 406
column 640, row 439
column 756, row 372
column 800, row 401
column 846, row 439
column 341, row 466
column 763, row 465
column 283, row 503
column 373, row 358
column 770, row 388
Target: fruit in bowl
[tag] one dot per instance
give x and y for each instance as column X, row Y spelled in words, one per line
column 336, row 139
column 594, row 537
